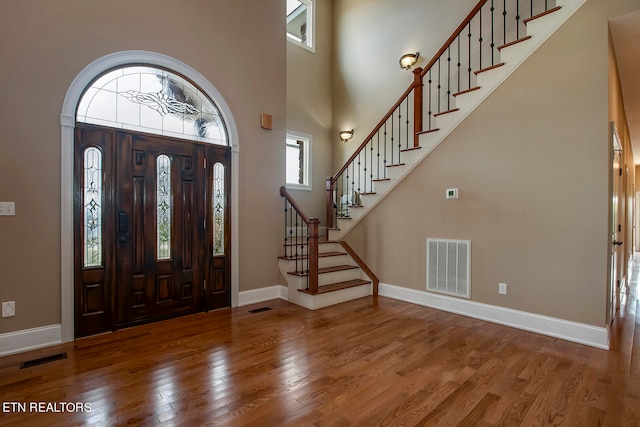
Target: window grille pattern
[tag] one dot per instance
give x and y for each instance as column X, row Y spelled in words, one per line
column 163, row 207
column 147, row 99
column 92, row 207
column 218, row 201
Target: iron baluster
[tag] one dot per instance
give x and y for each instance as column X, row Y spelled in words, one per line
column 469, row 63
column 429, row 96
column 504, row 23
column 493, row 44
column 384, row 163
column 480, row 40
column 517, row 19
column 449, row 78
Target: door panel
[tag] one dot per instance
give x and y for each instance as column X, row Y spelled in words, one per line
column 155, row 254
column 152, row 285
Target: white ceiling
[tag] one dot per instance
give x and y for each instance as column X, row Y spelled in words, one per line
column 625, row 35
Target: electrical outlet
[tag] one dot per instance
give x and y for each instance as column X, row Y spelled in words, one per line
column 502, row 288
column 8, row 309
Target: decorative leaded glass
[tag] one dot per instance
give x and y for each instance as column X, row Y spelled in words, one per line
column 92, row 207
column 152, row 100
column 163, row 206
column 218, row 201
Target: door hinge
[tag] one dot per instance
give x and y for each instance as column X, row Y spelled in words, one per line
column 204, row 285
column 620, row 171
column 619, row 228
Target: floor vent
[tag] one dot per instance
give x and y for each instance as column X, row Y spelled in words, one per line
column 259, row 310
column 448, row 267
column 42, row 360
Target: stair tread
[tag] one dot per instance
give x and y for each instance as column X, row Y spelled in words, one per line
column 427, row 131
column 520, row 40
column 320, row 255
column 410, row 149
column 540, row 15
column 488, row 68
column 337, row 286
column 453, row 110
column 462, row 92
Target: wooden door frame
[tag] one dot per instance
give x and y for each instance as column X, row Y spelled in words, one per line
column 67, row 130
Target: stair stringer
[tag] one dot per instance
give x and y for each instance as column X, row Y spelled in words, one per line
column 314, row 302
column 512, row 56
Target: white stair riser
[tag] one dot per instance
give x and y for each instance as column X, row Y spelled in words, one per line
column 314, row 302
column 338, row 276
column 331, row 261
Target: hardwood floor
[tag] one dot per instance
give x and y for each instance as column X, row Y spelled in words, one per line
column 372, row 361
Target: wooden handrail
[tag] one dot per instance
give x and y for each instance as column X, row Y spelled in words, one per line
column 374, row 279
column 406, row 93
column 455, row 34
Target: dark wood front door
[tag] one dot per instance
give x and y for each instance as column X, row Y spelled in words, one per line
column 154, row 254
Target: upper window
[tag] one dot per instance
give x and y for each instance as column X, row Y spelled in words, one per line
column 298, row 161
column 300, row 23
column 148, row 99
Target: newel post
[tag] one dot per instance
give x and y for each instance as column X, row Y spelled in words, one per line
column 314, row 230
column 417, row 104
column 329, row 207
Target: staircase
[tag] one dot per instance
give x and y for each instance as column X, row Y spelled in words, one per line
column 319, row 273
column 488, row 46
column 456, row 81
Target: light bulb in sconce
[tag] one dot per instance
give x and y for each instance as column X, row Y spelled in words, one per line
column 346, row 135
column 409, row 60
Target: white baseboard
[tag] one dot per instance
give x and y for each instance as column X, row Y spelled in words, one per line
column 550, row 326
column 30, row 339
column 263, row 294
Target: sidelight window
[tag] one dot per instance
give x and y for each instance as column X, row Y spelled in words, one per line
column 218, row 201
column 163, row 207
column 92, row 207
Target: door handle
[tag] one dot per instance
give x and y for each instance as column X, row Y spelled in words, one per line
column 123, row 222
column 617, row 243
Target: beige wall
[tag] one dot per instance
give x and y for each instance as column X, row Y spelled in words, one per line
column 241, row 50
column 532, row 167
column 309, row 106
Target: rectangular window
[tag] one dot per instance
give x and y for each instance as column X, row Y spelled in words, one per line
column 300, row 23
column 298, row 163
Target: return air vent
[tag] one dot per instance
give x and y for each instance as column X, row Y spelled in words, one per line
column 448, row 267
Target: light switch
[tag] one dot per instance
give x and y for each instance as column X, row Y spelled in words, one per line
column 8, row 208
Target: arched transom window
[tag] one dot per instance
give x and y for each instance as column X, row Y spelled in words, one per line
column 154, row 100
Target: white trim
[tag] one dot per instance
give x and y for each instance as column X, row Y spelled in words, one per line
column 263, row 294
column 67, row 125
column 551, row 326
column 30, row 339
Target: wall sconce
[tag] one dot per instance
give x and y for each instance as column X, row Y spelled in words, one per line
column 346, row 135
column 409, row 60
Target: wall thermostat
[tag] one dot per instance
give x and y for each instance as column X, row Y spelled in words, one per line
column 452, row 193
